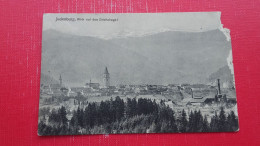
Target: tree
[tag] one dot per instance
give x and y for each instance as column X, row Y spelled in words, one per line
column 198, row 121
column 232, row 122
column 74, row 120
column 90, row 115
column 205, row 125
column 80, row 115
column 183, row 122
column 112, row 109
column 41, row 128
column 58, row 118
column 166, row 127
column 119, row 108
column 152, row 128
column 134, row 106
column 222, row 120
column 191, row 122
column 155, row 108
column 128, row 109
column 167, row 119
column 214, row 123
column 62, row 115
column 53, row 118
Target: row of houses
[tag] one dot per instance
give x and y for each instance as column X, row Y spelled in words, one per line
column 94, row 89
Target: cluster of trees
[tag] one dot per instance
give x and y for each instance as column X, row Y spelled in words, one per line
column 133, row 116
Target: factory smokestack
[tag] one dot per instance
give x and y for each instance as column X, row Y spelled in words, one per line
column 219, row 91
column 191, row 93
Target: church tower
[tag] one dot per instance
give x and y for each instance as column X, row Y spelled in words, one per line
column 106, row 78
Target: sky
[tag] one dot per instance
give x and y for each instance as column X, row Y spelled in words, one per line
column 132, row 24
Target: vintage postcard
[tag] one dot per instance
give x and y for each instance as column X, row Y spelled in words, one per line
column 136, row 73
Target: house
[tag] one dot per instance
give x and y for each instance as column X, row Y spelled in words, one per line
column 112, row 88
column 140, row 90
column 77, row 89
column 151, row 87
column 72, row 93
column 55, row 86
column 121, row 86
column 92, row 85
column 173, row 87
column 93, row 94
column 199, row 101
column 183, row 86
column 119, row 91
column 55, row 89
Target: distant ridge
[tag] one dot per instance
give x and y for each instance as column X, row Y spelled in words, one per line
column 163, row 58
column 223, row 73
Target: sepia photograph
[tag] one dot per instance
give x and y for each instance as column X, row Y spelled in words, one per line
column 136, row 73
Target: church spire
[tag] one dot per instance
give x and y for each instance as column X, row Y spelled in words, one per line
column 106, row 78
column 106, row 71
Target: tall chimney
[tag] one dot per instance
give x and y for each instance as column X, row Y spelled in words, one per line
column 219, row 91
column 191, row 93
column 60, row 80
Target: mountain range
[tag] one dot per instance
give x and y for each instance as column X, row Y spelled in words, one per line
column 162, row 58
